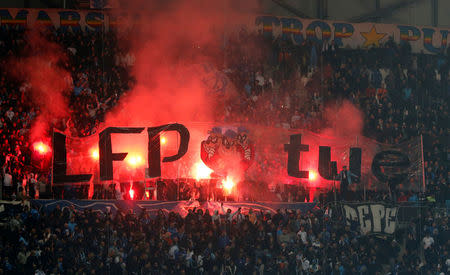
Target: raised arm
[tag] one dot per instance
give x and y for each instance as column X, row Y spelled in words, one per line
column 221, row 207
column 237, row 211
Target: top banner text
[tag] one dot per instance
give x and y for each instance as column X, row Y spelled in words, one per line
column 351, row 35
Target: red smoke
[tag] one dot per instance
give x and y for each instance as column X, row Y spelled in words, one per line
column 345, row 120
column 177, row 47
column 178, row 51
column 41, row 65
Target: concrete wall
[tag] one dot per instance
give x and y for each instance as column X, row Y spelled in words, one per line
column 308, row 7
column 444, row 13
column 418, row 13
column 346, row 9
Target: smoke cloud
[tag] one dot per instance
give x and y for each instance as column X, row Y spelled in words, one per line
column 344, row 120
column 176, row 47
column 46, row 82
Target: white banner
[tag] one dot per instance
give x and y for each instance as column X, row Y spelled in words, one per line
column 373, row 218
column 354, row 35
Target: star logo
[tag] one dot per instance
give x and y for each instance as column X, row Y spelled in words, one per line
column 372, row 37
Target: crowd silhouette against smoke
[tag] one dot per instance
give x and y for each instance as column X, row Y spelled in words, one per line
column 180, row 61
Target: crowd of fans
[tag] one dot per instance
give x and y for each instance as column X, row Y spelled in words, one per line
column 99, row 75
column 65, row 241
column 401, row 94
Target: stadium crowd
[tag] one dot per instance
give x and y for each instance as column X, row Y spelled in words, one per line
column 402, row 95
column 65, row 241
column 99, row 76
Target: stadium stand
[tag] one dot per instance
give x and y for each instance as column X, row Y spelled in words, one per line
column 402, row 95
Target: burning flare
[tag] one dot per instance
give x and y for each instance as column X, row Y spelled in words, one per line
column 94, row 153
column 312, row 175
column 134, row 160
column 41, row 147
column 228, row 184
column 201, row 171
